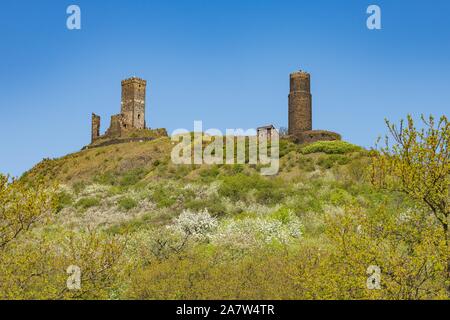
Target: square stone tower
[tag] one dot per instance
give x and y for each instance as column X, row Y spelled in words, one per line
column 133, row 103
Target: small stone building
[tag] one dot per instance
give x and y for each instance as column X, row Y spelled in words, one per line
column 266, row 131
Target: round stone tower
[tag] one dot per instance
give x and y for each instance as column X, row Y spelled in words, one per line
column 300, row 113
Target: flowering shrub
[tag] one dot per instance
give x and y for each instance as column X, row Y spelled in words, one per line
column 159, row 243
column 193, row 225
column 202, row 191
column 250, row 232
column 240, row 206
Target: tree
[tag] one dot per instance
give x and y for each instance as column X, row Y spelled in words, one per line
column 35, row 254
column 22, row 207
column 283, row 131
column 418, row 165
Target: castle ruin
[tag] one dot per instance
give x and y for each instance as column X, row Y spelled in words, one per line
column 300, row 111
column 129, row 124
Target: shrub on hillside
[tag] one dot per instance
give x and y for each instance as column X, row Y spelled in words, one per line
column 127, row 203
column 212, row 204
column 132, row 177
column 78, row 186
column 330, row 147
column 280, row 228
column 21, row 207
column 238, row 187
column 88, row 202
column 63, row 199
column 163, row 197
column 305, row 163
column 286, row 147
column 209, row 173
column 106, row 178
column 195, row 225
column 47, row 258
column 329, row 161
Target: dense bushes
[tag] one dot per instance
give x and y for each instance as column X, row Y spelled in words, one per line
column 88, row 202
column 226, row 232
column 127, row 203
column 239, row 187
column 35, row 253
column 334, row 268
column 330, row 147
column 63, row 199
column 126, row 179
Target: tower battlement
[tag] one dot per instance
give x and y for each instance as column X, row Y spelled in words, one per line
column 134, row 80
column 300, row 73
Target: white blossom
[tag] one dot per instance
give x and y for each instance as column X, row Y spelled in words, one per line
column 250, row 232
column 196, row 225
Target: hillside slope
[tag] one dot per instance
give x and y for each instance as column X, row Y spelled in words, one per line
column 227, row 232
column 153, row 159
column 88, row 164
column 133, row 183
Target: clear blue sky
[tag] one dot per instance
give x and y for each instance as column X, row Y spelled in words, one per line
column 226, row 62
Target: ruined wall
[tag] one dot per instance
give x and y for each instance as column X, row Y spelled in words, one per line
column 300, row 103
column 117, row 124
column 316, row 135
column 133, row 103
column 95, row 129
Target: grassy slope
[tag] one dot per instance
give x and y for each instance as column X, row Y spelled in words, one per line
column 88, row 164
column 133, row 190
column 136, row 183
column 119, row 159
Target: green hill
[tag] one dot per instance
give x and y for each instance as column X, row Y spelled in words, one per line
column 142, row 227
column 124, row 182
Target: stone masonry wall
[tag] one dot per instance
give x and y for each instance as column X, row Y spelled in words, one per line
column 316, row 135
column 95, row 129
column 117, row 124
column 300, row 103
column 133, row 103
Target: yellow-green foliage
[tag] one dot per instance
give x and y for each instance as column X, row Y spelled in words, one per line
column 418, row 164
column 33, row 262
column 224, row 231
column 412, row 261
column 330, row 147
column 36, row 268
column 21, row 207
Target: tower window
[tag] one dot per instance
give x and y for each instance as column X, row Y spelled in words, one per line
column 139, row 116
